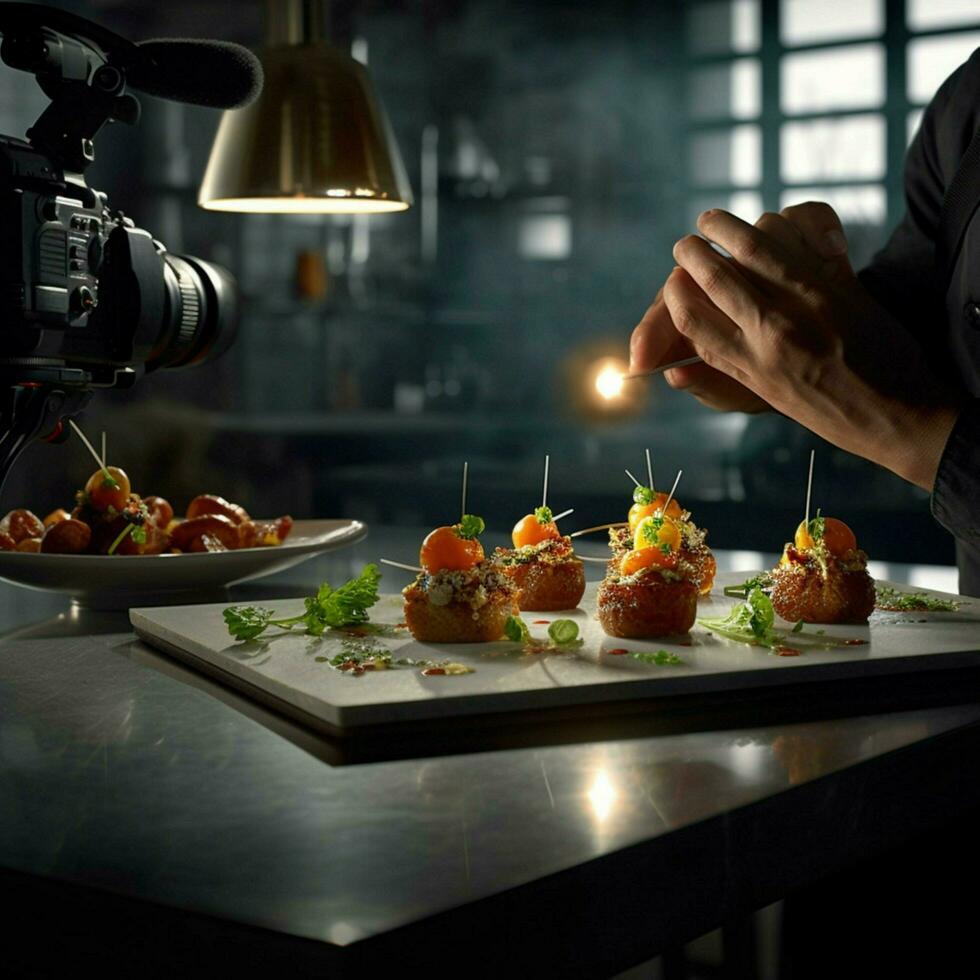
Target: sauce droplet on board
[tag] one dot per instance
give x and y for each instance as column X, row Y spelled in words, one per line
column 786, row 652
column 618, row 652
column 433, row 671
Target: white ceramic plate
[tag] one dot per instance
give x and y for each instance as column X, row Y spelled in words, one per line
column 120, row 581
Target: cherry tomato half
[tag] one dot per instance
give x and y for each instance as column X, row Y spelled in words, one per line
column 837, row 536
column 639, row 558
column 529, row 530
column 444, row 549
column 108, row 491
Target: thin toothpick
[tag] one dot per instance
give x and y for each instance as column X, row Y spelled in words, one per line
column 103, row 449
column 81, row 435
column 598, row 527
column 684, row 362
column 670, row 496
column 544, row 492
column 634, row 479
column 466, row 473
column 605, row 561
column 809, row 485
column 564, row 513
column 398, row 564
column 650, row 470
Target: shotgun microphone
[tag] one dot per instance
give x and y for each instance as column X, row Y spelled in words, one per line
column 204, row 72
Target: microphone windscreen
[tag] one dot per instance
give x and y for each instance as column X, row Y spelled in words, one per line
column 196, row 70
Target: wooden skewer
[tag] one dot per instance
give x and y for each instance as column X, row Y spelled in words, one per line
column 466, row 471
column 81, row 435
column 103, row 450
column 544, row 492
column 598, row 527
column 605, row 561
column 650, row 471
column 809, row 484
column 663, row 367
column 670, row 496
column 564, row 513
column 398, row 564
column 633, row 478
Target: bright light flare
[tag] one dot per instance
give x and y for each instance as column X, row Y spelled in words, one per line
column 602, row 795
column 609, row 381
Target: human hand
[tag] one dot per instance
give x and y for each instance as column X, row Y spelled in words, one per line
column 656, row 341
column 793, row 325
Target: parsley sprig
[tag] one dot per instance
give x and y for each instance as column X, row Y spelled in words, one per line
column 329, row 609
column 544, row 514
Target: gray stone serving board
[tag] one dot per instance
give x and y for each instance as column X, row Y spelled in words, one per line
column 289, row 673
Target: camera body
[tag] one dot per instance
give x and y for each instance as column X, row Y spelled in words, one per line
column 87, row 299
column 87, row 293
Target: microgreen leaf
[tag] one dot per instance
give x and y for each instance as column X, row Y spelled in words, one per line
column 543, row 515
column 894, row 599
column 516, row 629
column 470, row 527
column 644, row 495
column 740, row 591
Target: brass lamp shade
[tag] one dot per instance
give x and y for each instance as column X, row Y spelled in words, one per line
column 315, row 141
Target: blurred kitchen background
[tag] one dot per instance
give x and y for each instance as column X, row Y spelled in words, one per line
column 556, row 152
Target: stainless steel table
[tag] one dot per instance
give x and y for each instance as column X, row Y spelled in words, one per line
column 151, row 820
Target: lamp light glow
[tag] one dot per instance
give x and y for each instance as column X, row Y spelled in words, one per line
column 316, row 141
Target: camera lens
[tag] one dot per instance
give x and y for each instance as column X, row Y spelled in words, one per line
column 201, row 313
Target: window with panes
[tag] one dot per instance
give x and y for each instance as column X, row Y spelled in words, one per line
column 795, row 100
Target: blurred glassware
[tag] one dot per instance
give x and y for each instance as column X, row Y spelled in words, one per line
column 311, row 280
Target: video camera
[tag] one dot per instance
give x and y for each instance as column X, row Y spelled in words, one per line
column 87, row 299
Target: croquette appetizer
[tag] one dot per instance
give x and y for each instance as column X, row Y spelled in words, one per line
column 651, row 589
column 543, row 564
column 822, row 576
column 648, row 502
column 459, row 596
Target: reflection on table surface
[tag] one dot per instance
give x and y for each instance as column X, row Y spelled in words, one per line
column 123, row 769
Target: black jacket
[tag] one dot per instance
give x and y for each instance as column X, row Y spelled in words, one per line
column 905, row 278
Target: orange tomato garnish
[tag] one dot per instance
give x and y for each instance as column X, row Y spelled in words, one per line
column 108, row 491
column 652, row 532
column 639, row 558
column 653, row 509
column 444, row 550
column 529, row 530
column 837, row 536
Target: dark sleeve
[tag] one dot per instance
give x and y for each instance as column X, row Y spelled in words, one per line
column 903, row 278
column 956, row 495
column 902, row 275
